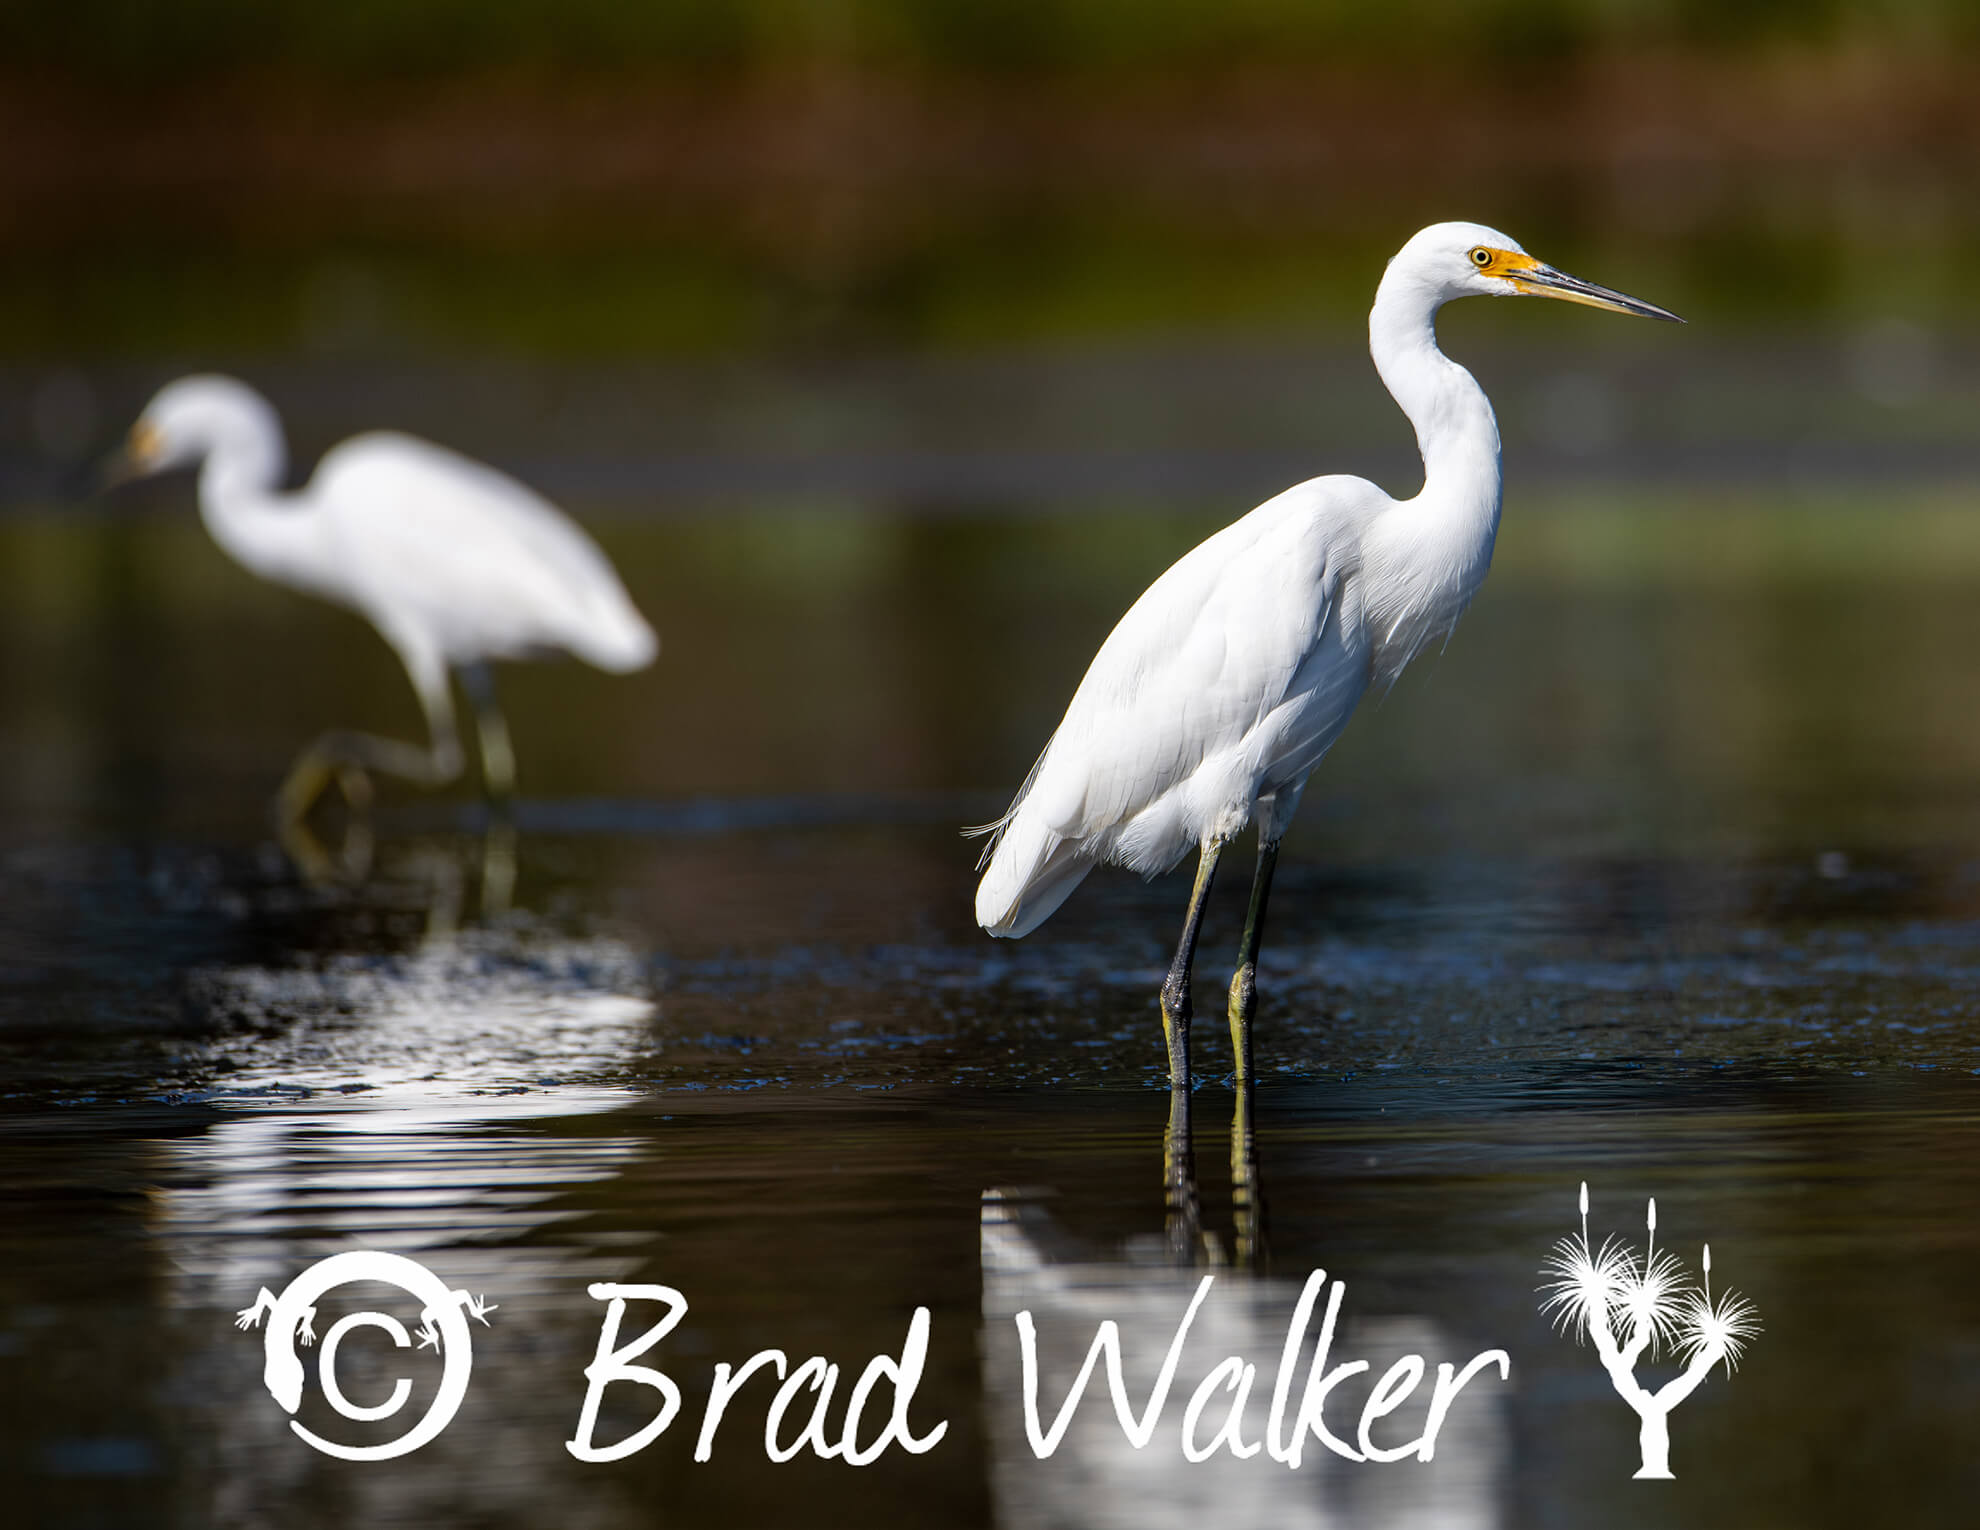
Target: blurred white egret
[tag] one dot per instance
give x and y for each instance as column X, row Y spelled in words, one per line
column 453, row 563
column 1234, row 673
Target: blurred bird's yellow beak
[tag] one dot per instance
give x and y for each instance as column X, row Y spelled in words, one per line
column 136, row 458
column 1534, row 278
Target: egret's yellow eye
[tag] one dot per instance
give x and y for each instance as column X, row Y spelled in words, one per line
column 1481, row 257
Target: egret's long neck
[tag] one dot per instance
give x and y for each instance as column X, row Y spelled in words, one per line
column 239, row 502
column 1425, row 557
column 1455, row 428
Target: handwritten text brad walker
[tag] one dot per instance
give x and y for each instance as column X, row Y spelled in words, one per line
column 804, row 1413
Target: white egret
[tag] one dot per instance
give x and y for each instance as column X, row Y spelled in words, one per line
column 1219, row 691
column 453, row 562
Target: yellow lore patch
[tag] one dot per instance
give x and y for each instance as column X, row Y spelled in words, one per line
column 1493, row 261
column 145, row 445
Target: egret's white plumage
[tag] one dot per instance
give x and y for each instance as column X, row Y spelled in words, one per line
column 1236, row 671
column 1215, row 695
column 459, row 558
column 453, row 562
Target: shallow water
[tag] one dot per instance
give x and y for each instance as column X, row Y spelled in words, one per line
column 1663, row 882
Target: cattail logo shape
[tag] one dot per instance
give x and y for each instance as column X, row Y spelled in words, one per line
column 1635, row 1308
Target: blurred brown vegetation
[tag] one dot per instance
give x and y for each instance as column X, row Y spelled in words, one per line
column 828, row 121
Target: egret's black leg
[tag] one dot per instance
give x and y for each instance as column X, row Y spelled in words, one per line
column 1247, row 1196
column 1179, row 1153
column 1244, row 981
column 1175, row 987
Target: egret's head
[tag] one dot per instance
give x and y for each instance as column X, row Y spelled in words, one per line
column 1456, row 260
column 191, row 417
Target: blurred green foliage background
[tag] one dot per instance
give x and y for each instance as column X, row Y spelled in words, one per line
column 587, row 177
column 1069, row 37
column 834, row 310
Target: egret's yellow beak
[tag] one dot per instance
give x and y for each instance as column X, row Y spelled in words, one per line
column 136, row 458
column 1533, row 278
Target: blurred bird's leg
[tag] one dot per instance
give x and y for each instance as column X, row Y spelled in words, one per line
column 498, row 760
column 356, row 787
column 349, row 758
column 318, row 866
column 1179, row 1150
column 441, row 870
column 498, row 868
column 498, row 779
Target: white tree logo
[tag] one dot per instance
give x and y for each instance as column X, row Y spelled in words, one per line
column 1635, row 1309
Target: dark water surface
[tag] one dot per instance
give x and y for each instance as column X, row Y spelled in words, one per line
column 1666, row 877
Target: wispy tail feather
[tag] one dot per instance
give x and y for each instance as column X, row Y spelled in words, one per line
column 996, row 828
column 1031, row 873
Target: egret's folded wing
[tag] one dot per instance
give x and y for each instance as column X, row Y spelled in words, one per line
column 1206, row 654
column 435, row 538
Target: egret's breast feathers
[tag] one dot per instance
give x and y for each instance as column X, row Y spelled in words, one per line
column 1421, row 565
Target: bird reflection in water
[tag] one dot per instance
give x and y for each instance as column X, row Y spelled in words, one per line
column 443, row 870
column 465, row 992
column 1095, row 1477
column 1187, row 1240
column 404, row 1092
column 479, row 1190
